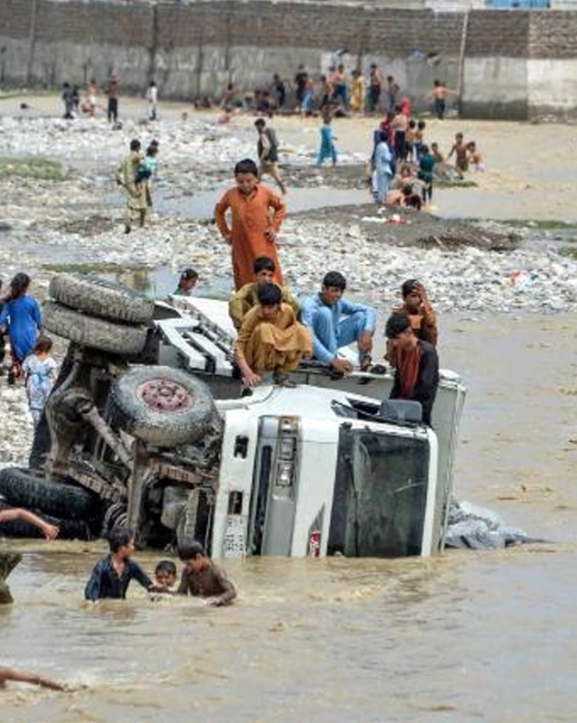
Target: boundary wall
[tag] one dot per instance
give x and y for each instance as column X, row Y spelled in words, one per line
column 508, row 64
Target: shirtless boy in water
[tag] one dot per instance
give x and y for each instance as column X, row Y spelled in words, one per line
column 461, row 155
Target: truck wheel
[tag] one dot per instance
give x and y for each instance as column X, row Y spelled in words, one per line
column 90, row 331
column 162, row 406
column 101, row 298
column 26, row 488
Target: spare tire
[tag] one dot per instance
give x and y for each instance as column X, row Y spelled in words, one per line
column 102, row 298
column 25, row 488
column 93, row 332
column 162, row 406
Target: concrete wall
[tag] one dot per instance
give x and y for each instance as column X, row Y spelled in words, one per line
column 515, row 64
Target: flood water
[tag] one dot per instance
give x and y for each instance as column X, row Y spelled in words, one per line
column 466, row 636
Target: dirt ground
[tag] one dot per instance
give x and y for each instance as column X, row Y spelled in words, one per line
column 531, row 169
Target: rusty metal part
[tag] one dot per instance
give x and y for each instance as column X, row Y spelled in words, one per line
column 164, row 395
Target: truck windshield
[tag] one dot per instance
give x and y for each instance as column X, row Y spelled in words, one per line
column 380, row 494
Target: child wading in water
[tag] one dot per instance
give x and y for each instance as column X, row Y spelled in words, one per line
column 112, row 574
column 201, row 577
column 39, row 370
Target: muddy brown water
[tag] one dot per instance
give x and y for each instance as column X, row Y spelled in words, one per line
column 465, row 636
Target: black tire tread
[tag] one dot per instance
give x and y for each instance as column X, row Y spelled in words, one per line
column 93, row 332
column 23, row 487
column 101, row 298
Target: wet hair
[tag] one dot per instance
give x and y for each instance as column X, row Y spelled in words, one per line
column 43, row 345
column 407, row 190
column 152, row 150
column 396, row 324
column 260, row 123
column 269, row 295
column 412, row 124
column 383, row 137
column 190, row 550
column 119, row 537
column 262, row 263
column 165, row 566
column 247, row 165
column 188, row 274
column 408, row 286
column 18, row 286
column 437, row 82
column 421, row 124
column 390, row 78
column 335, row 279
column 135, row 144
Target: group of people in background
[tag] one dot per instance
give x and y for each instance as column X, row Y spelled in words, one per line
column 344, row 92
column 76, row 105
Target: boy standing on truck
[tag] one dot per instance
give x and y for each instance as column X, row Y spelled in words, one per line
column 202, row 578
column 247, row 298
column 254, row 228
column 271, row 339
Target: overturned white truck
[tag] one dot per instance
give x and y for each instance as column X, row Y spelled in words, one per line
column 325, row 468
column 328, row 467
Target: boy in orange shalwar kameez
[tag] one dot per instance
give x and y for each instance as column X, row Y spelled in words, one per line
column 254, row 228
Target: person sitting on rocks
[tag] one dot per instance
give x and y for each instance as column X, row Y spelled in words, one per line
column 247, row 297
column 416, row 365
column 271, row 339
column 323, row 314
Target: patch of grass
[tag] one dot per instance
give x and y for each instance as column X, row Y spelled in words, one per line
column 40, row 169
column 571, row 253
column 100, row 268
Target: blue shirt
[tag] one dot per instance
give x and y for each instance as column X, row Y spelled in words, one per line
column 105, row 582
column 311, row 304
column 23, row 318
column 326, row 136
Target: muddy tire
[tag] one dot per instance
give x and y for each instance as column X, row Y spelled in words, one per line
column 162, row 406
column 93, row 332
column 26, row 488
column 101, row 298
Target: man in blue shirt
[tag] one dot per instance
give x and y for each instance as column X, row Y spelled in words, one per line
column 336, row 322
